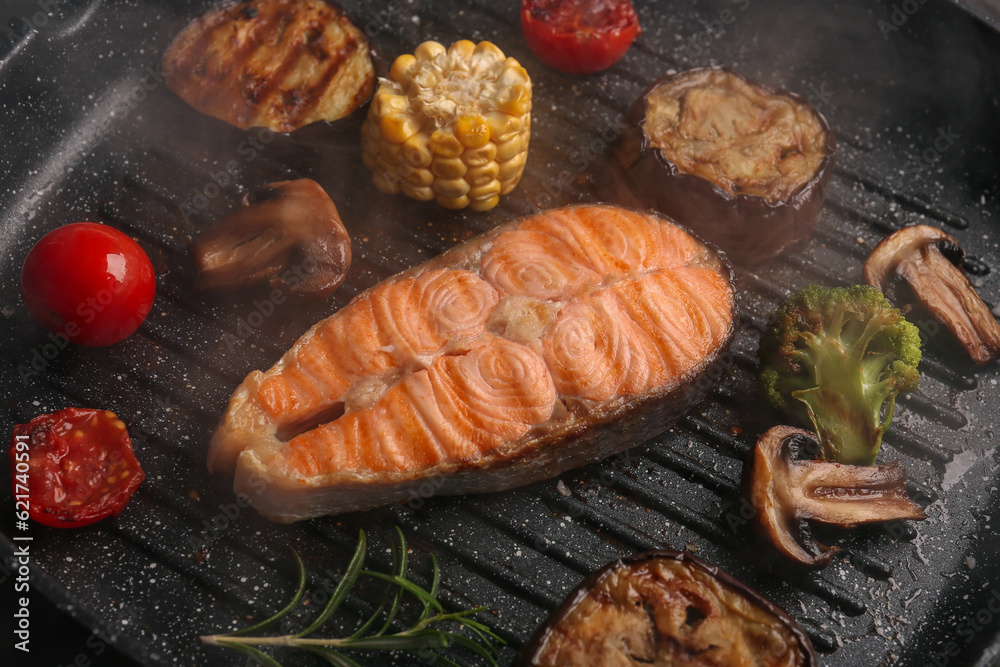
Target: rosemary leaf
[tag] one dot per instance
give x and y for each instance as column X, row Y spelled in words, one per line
column 435, row 586
column 489, row 655
column 420, row 637
column 409, row 586
column 333, row 657
column 402, row 642
column 343, row 588
column 265, row 624
column 263, row 658
column 400, row 566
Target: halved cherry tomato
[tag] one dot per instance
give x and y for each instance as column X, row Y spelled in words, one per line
column 88, row 282
column 77, row 465
column 579, row 36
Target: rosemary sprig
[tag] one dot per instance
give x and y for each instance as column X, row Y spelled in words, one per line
column 424, row 636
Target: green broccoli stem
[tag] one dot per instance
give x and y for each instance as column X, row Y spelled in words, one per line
column 844, row 407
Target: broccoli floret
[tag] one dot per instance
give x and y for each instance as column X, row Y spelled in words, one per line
column 837, row 358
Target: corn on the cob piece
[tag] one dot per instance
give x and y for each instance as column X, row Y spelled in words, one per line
column 450, row 125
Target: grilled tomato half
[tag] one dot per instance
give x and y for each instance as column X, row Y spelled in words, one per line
column 76, row 466
column 579, row 36
column 742, row 165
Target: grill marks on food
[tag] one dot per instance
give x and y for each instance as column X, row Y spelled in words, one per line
column 444, row 368
column 282, row 65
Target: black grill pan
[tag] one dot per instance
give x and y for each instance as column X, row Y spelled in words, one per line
column 91, row 133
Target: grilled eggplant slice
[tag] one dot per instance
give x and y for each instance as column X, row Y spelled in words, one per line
column 667, row 608
column 279, row 64
column 743, row 166
column 546, row 344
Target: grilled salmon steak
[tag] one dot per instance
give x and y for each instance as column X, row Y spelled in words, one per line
column 546, row 344
column 279, row 64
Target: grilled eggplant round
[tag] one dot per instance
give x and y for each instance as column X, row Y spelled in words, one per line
column 667, row 608
column 743, row 166
column 279, row 64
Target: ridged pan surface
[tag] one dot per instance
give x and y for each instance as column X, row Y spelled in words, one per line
column 91, row 133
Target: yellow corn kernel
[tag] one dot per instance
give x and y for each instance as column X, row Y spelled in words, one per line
column 453, row 202
column 510, row 172
column 419, row 177
column 477, row 157
column 385, row 182
column 515, row 100
column 391, row 153
column 484, row 174
column 368, row 160
column 389, row 103
column 485, row 191
column 472, row 131
column 451, row 187
column 488, row 51
column 484, row 204
column 398, row 127
column 503, row 126
column 403, row 68
column 513, row 74
column 429, row 50
column 444, row 143
column 416, row 151
column 420, row 193
column 463, row 49
column 509, row 149
column 449, row 168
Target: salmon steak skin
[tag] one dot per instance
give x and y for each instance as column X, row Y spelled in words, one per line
column 546, row 344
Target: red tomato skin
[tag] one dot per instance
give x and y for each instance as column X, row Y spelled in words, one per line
column 88, row 282
column 575, row 51
column 73, row 454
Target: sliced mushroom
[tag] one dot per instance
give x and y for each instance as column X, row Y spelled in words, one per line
column 788, row 493
column 914, row 255
column 288, row 233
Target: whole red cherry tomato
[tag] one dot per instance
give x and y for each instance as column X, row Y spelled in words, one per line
column 73, row 467
column 579, row 36
column 88, row 282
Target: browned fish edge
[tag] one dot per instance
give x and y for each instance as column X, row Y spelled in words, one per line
column 614, row 427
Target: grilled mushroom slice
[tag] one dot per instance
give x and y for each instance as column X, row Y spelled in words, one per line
column 744, row 166
column 914, row 255
column 788, row 493
column 288, row 233
column 667, row 608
